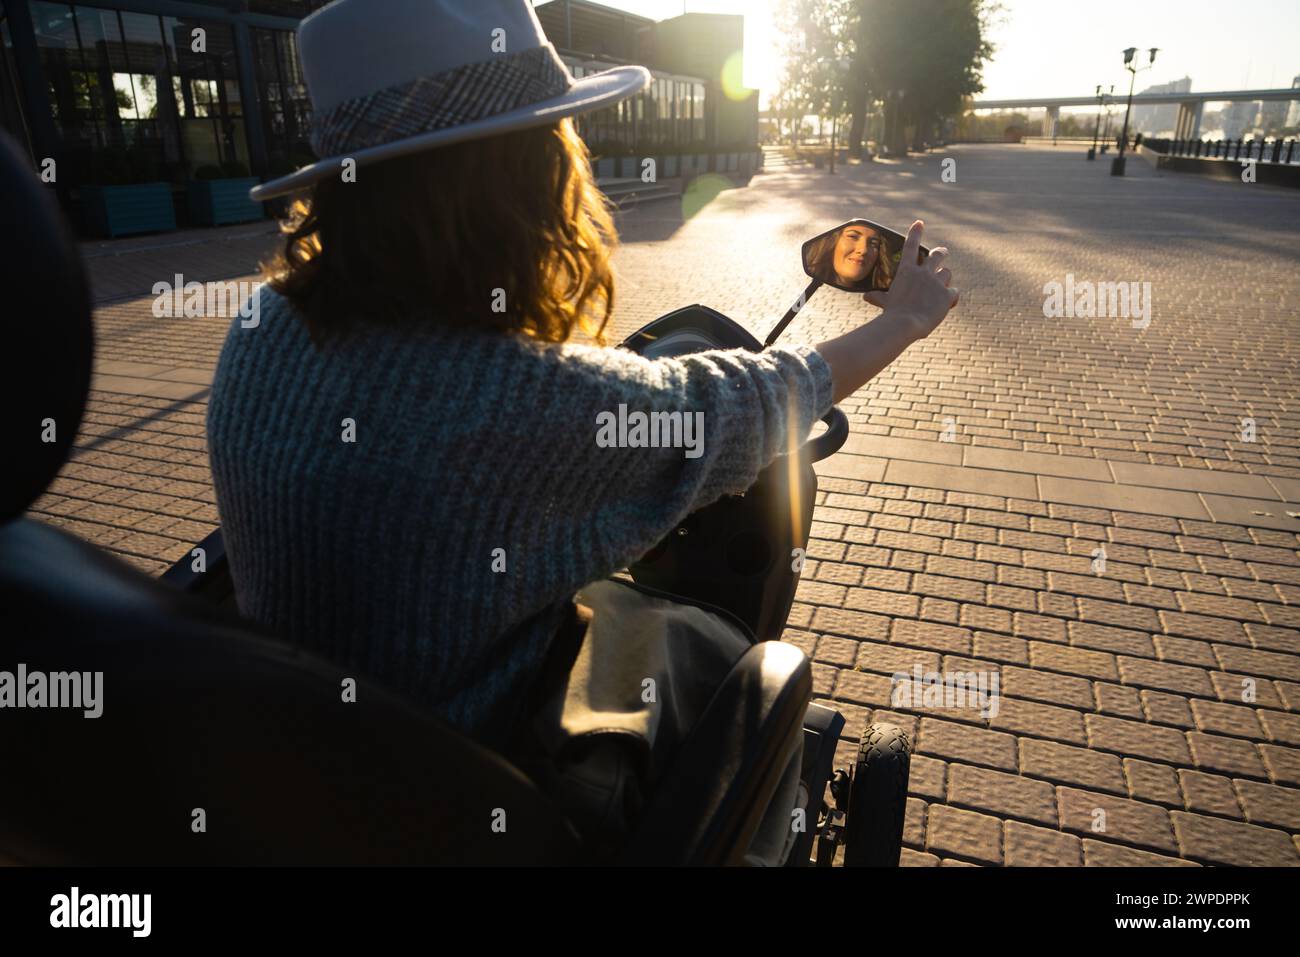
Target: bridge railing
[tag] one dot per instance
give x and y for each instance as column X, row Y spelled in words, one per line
column 1277, row 150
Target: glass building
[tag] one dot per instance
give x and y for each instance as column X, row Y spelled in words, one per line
column 129, row 91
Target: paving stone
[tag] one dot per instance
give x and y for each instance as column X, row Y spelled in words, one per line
column 1048, row 687
column 1091, row 814
column 1163, row 676
column 1269, row 805
column 1245, row 689
column 1099, row 854
column 1120, row 641
column 1231, row 756
column 1266, row 664
column 1161, row 708
column 1209, row 794
column 1076, row 661
column 910, row 858
column 1117, row 700
column 1152, row 783
column 1137, row 739
column 932, row 635
column 1030, row 846
column 964, row 834
column 1003, row 795
column 1228, row 719
column 1038, row 720
column 958, row 742
column 1283, row 764
column 927, row 778
column 1065, row 764
column 1217, row 841
column 861, row 688
column 1281, row 727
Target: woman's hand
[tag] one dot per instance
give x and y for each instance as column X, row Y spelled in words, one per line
column 920, row 295
column 917, row 301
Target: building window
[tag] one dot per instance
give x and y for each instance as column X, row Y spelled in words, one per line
column 131, row 101
column 286, row 110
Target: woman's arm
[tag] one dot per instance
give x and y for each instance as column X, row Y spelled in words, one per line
column 918, row 300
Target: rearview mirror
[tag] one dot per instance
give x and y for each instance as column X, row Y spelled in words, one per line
column 859, row 256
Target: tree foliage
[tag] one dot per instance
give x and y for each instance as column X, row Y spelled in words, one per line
column 916, row 59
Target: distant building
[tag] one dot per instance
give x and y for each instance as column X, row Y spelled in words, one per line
column 1293, row 113
column 1272, row 116
column 687, row 104
column 1239, row 119
column 118, row 90
column 1159, row 118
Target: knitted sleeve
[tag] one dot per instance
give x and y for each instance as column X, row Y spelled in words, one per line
column 662, row 438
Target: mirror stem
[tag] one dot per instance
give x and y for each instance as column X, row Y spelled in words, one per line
column 792, row 312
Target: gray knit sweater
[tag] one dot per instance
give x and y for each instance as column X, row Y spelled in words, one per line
column 437, row 549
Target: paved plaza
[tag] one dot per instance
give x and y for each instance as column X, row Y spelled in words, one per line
column 1099, row 510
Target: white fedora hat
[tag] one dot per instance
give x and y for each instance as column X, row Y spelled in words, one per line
column 392, row 77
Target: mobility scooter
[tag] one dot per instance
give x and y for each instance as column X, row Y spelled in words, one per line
column 219, row 744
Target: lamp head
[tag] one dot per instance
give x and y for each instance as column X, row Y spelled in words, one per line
column 1128, row 55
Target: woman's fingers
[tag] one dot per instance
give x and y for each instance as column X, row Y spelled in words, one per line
column 945, row 274
column 937, row 257
column 912, row 245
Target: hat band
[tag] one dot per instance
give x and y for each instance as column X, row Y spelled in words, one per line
column 475, row 91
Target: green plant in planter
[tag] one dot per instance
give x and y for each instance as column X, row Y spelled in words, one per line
column 125, row 193
column 125, row 166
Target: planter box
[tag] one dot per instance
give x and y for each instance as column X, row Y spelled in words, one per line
column 669, row 166
column 216, row 202
column 606, row 168
column 114, row 211
column 733, row 162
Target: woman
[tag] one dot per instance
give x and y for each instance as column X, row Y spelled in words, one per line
column 855, row 257
column 404, row 446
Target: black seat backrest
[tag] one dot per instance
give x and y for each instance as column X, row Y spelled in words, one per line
column 203, row 720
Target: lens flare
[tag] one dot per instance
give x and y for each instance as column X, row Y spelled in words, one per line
column 733, row 78
column 701, row 191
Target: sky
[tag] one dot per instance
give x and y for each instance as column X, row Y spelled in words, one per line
column 1067, row 47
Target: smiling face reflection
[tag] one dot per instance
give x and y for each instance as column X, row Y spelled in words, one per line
column 856, row 253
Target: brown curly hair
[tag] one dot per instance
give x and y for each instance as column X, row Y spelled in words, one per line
column 509, row 233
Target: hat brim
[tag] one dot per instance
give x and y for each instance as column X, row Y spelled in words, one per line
column 588, row 93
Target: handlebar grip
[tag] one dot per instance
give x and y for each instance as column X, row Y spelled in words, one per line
column 833, row 439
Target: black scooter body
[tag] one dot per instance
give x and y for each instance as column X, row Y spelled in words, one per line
column 742, row 553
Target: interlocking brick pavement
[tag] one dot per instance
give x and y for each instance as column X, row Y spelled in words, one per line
column 1149, row 711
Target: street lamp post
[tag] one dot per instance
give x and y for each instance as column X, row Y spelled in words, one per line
column 1117, row 164
column 1105, row 136
column 1092, row 151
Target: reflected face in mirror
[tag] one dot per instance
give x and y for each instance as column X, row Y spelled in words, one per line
column 859, row 256
column 857, row 251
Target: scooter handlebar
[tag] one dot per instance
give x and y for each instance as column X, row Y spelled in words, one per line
column 833, row 439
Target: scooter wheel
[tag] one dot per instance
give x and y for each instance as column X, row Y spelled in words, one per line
column 878, row 798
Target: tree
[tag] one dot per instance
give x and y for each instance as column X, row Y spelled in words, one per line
column 933, row 51
column 818, row 51
column 915, row 58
